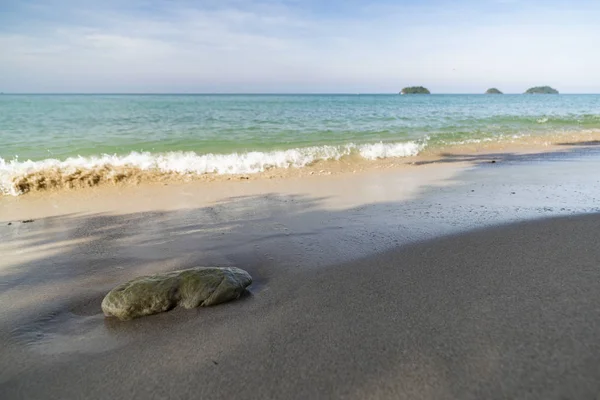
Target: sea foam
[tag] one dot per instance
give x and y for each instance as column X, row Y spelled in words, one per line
column 18, row 177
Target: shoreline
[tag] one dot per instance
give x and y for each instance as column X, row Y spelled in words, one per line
column 73, row 178
column 296, row 220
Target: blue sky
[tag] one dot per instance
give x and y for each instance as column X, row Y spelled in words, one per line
column 298, row 46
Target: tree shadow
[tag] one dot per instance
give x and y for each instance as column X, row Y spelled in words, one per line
column 75, row 247
column 488, row 159
column 588, row 143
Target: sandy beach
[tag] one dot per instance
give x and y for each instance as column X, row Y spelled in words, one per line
column 458, row 278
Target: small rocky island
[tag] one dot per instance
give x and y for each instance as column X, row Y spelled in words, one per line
column 541, row 90
column 493, row 91
column 415, row 90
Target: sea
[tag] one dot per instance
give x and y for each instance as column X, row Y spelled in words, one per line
column 49, row 141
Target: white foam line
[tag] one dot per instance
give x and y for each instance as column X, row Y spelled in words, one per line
column 193, row 163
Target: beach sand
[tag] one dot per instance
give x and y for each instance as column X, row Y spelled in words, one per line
column 457, row 279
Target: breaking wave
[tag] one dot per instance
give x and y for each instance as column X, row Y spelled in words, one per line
column 18, row 177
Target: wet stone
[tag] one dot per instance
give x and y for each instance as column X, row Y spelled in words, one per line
column 190, row 288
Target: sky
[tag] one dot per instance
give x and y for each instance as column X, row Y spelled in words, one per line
column 297, row 46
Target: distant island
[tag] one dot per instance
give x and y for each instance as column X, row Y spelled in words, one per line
column 541, row 90
column 415, row 90
column 493, row 91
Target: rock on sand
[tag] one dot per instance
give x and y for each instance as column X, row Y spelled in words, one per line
column 190, row 288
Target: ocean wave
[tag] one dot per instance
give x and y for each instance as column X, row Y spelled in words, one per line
column 18, row 177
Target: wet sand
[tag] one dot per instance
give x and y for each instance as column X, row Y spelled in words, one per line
column 462, row 279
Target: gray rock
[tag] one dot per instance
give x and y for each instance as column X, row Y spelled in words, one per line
column 190, row 288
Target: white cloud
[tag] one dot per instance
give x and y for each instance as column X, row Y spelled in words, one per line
column 274, row 47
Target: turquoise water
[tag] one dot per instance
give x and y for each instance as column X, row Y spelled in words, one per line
column 67, row 135
column 37, row 127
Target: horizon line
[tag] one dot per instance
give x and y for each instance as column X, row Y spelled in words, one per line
column 261, row 93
